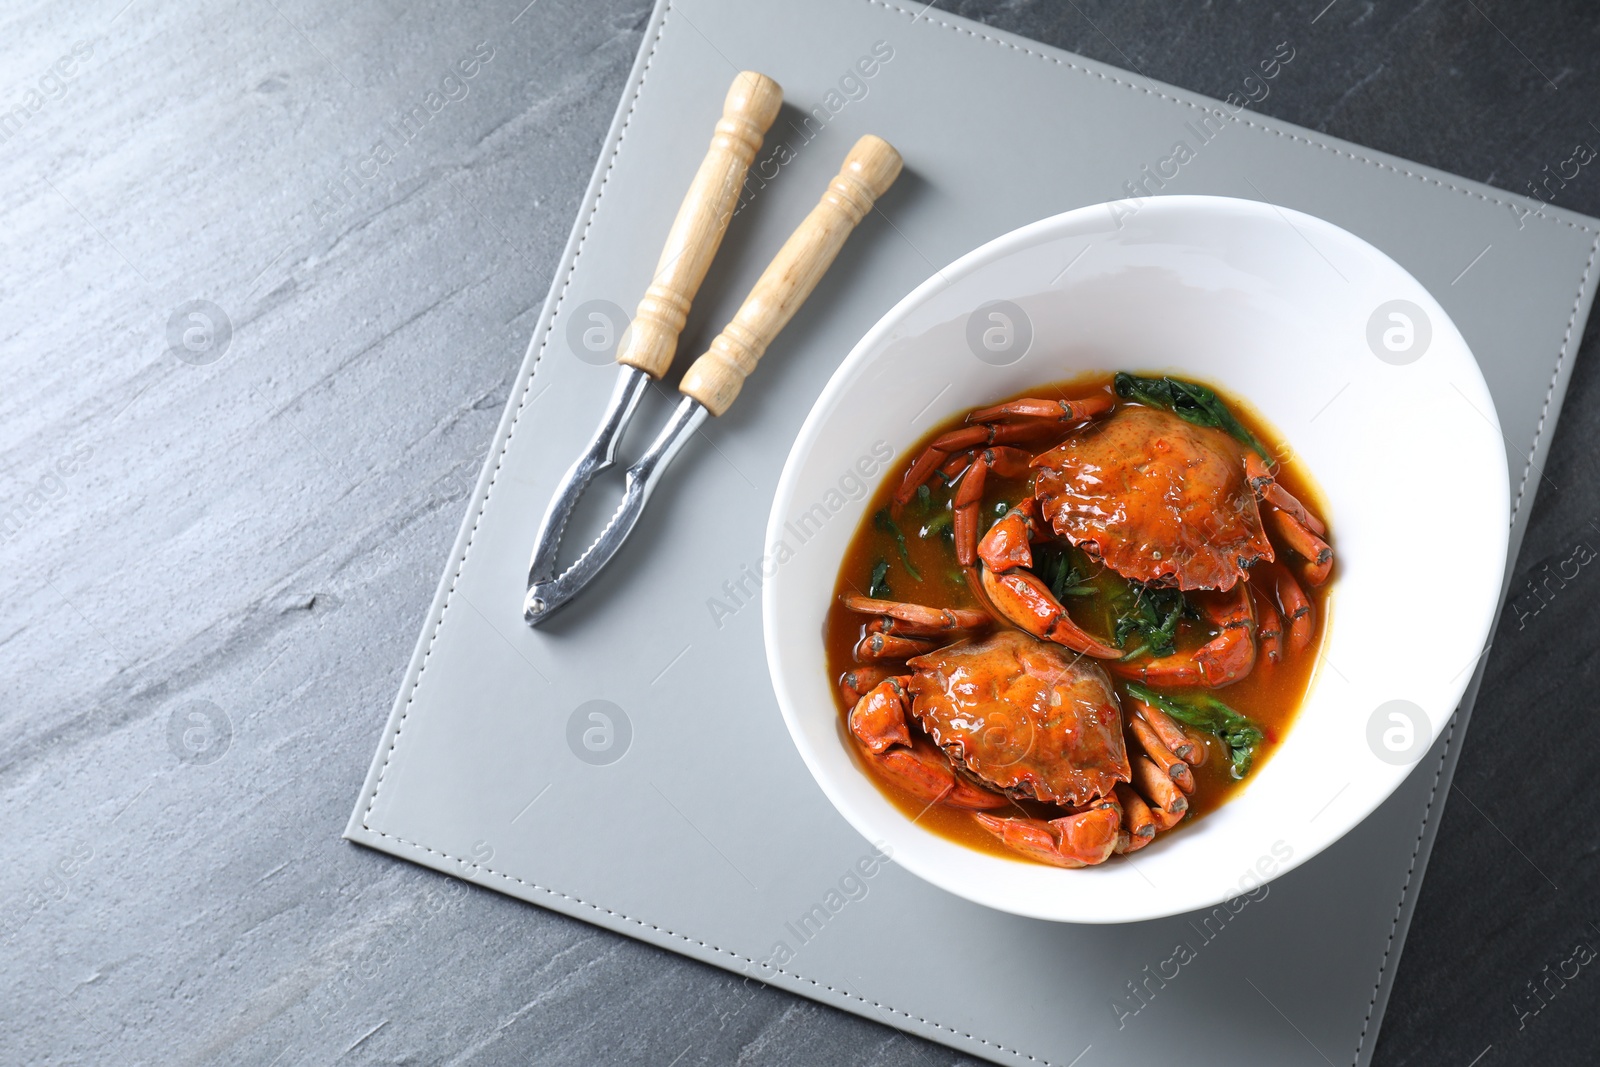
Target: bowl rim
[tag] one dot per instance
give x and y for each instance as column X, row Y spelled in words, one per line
column 991, row 251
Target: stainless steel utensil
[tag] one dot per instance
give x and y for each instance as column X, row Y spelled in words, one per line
column 714, row 379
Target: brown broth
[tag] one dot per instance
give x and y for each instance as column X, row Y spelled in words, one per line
column 1270, row 695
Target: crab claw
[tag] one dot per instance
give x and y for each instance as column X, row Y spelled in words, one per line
column 1009, row 542
column 1080, row 840
column 1019, row 594
column 878, row 722
column 854, row 685
column 925, row 772
column 1028, row 604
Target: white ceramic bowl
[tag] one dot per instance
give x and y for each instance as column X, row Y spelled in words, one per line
column 1285, row 310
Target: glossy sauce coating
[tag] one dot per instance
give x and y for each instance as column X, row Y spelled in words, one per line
column 1092, row 498
column 1035, row 720
column 922, row 569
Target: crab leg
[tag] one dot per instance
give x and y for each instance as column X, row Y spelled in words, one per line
column 954, row 466
column 1138, row 824
column 885, row 625
column 1270, row 632
column 1005, row 462
column 1279, row 497
column 934, row 456
column 1226, row 658
column 878, row 722
column 967, row 500
column 932, row 619
column 889, row 646
column 1008, row 462
column 1167, row 729
column 1176, row 769
column 1296, row 609
column 1267, row 488
column 1054, row 410
column 1167, row 803
column 1300, row 529
column 1313, row 549
column 1080, row 840
column 967, row 437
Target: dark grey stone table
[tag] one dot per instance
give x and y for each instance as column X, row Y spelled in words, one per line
column 214, row 567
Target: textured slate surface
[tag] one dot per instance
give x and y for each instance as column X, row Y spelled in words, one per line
column 257, row 527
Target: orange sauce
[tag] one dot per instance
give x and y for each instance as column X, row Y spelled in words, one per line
column 1270, row 695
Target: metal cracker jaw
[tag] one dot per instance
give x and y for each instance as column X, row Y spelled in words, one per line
column 714, row 379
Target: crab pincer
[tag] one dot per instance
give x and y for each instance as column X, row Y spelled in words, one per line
column 878, row 722
column 1082, row 839
column 1019, row 594
column 853, row 685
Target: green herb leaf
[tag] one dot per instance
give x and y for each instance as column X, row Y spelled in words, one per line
column 1206, row 712
column 924, row 497
column 1191, row 402
column 938, row 524
column 883, row 522
column 1152, row 615
column 1056, row 566
column 878, row 588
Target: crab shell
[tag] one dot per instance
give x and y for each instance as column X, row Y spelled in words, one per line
column 1025, row 717
column 1157, row 499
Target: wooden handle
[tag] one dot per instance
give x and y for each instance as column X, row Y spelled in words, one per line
column 716, row 377
column 747, row 113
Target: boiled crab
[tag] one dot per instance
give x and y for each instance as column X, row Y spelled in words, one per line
column 1008, row 717
column 1158, row 500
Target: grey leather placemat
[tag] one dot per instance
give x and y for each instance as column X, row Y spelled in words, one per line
column 695, row 826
